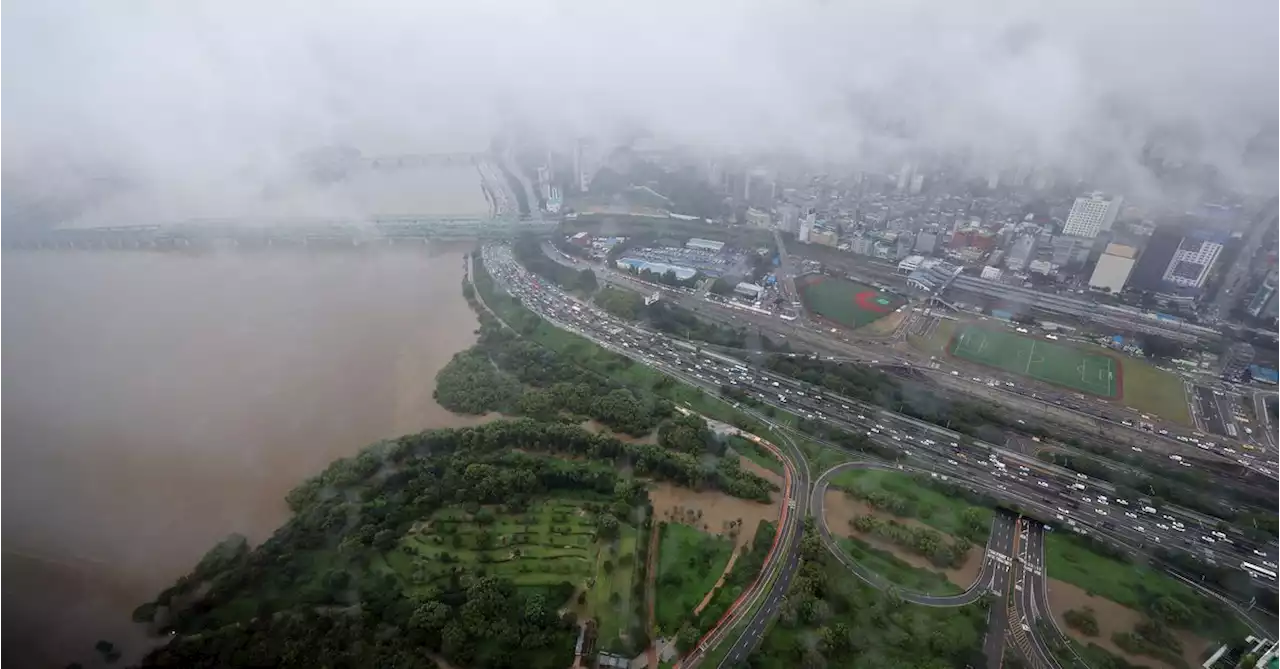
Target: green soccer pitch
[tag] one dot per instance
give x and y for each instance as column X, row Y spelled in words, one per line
column 1039, row 359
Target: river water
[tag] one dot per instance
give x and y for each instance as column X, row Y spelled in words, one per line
column 155, row 403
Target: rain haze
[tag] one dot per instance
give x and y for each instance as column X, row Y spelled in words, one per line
column 158, row 402
column 161, row 110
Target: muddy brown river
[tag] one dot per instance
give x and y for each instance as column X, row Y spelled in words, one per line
column 155, row 403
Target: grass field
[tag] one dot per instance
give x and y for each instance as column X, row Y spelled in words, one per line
column 690, row 562
column 1094, row 373
column 896, row 571
column 937, row 339
column 611, row 596
column 846, row 303
column 934, row 509
column 1152, row 390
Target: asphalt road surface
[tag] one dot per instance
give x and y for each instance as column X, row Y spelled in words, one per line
column 1076, row 502
column 1001, row 547
column 1211, row 412
column 991, row 564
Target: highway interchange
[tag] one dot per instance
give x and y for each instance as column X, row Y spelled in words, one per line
column 1068, row 500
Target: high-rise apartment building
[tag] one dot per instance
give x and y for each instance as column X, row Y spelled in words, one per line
column 789, row 218
column 586, row 163
column 1091, row 215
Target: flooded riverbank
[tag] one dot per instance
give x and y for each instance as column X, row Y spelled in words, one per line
column 841, row 509
column 156, row 403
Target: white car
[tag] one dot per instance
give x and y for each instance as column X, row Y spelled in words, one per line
column 1042, row 484
column 1130, row 514
column 1136, row 449
column 1100, row 512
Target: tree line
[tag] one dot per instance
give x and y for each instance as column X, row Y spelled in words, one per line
column 311, row 595
column 828, row 617
column 920, row 540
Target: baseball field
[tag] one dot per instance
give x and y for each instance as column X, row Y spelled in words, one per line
column 1040, row 359
column 844, row 302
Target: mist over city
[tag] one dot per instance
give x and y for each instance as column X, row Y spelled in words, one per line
column 694, row 335
column 197, row 109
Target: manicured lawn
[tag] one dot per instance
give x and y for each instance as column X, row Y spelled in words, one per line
column 690, row 562
column 1041, row 359
column 935, row 509
column 551, row 542
column 895, row 570
column 844, row 302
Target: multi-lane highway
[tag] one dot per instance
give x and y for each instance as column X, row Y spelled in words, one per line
column 1097, row 418
column 1069, row 500
column 1074, row 501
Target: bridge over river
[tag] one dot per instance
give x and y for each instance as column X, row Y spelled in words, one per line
column 272, row 233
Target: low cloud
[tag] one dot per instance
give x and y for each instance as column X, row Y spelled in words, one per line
column 198, row 104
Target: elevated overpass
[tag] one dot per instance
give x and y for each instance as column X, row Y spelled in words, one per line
column 423, row 160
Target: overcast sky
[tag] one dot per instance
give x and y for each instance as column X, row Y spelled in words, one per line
column 208, row 100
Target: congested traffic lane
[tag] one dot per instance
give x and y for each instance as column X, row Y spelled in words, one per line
column 1062, row 496
column 1167, row 438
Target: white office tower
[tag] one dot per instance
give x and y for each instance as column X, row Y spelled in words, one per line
column 1091, row 215
column 993, row 180
column 917, row 184
column 904, row 177
column 584, row 163
column 789, row 218
column 805, row 228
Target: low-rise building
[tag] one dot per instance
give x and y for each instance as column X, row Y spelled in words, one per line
column 910, row 264
column 750, row 290
column 862, row 246
column 991, row 273
column 1113, row 268
column 758, row 218
column 824, row 236
column 932, row 275
column 1040, row 267
column 705, row 245
column 926, row 243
